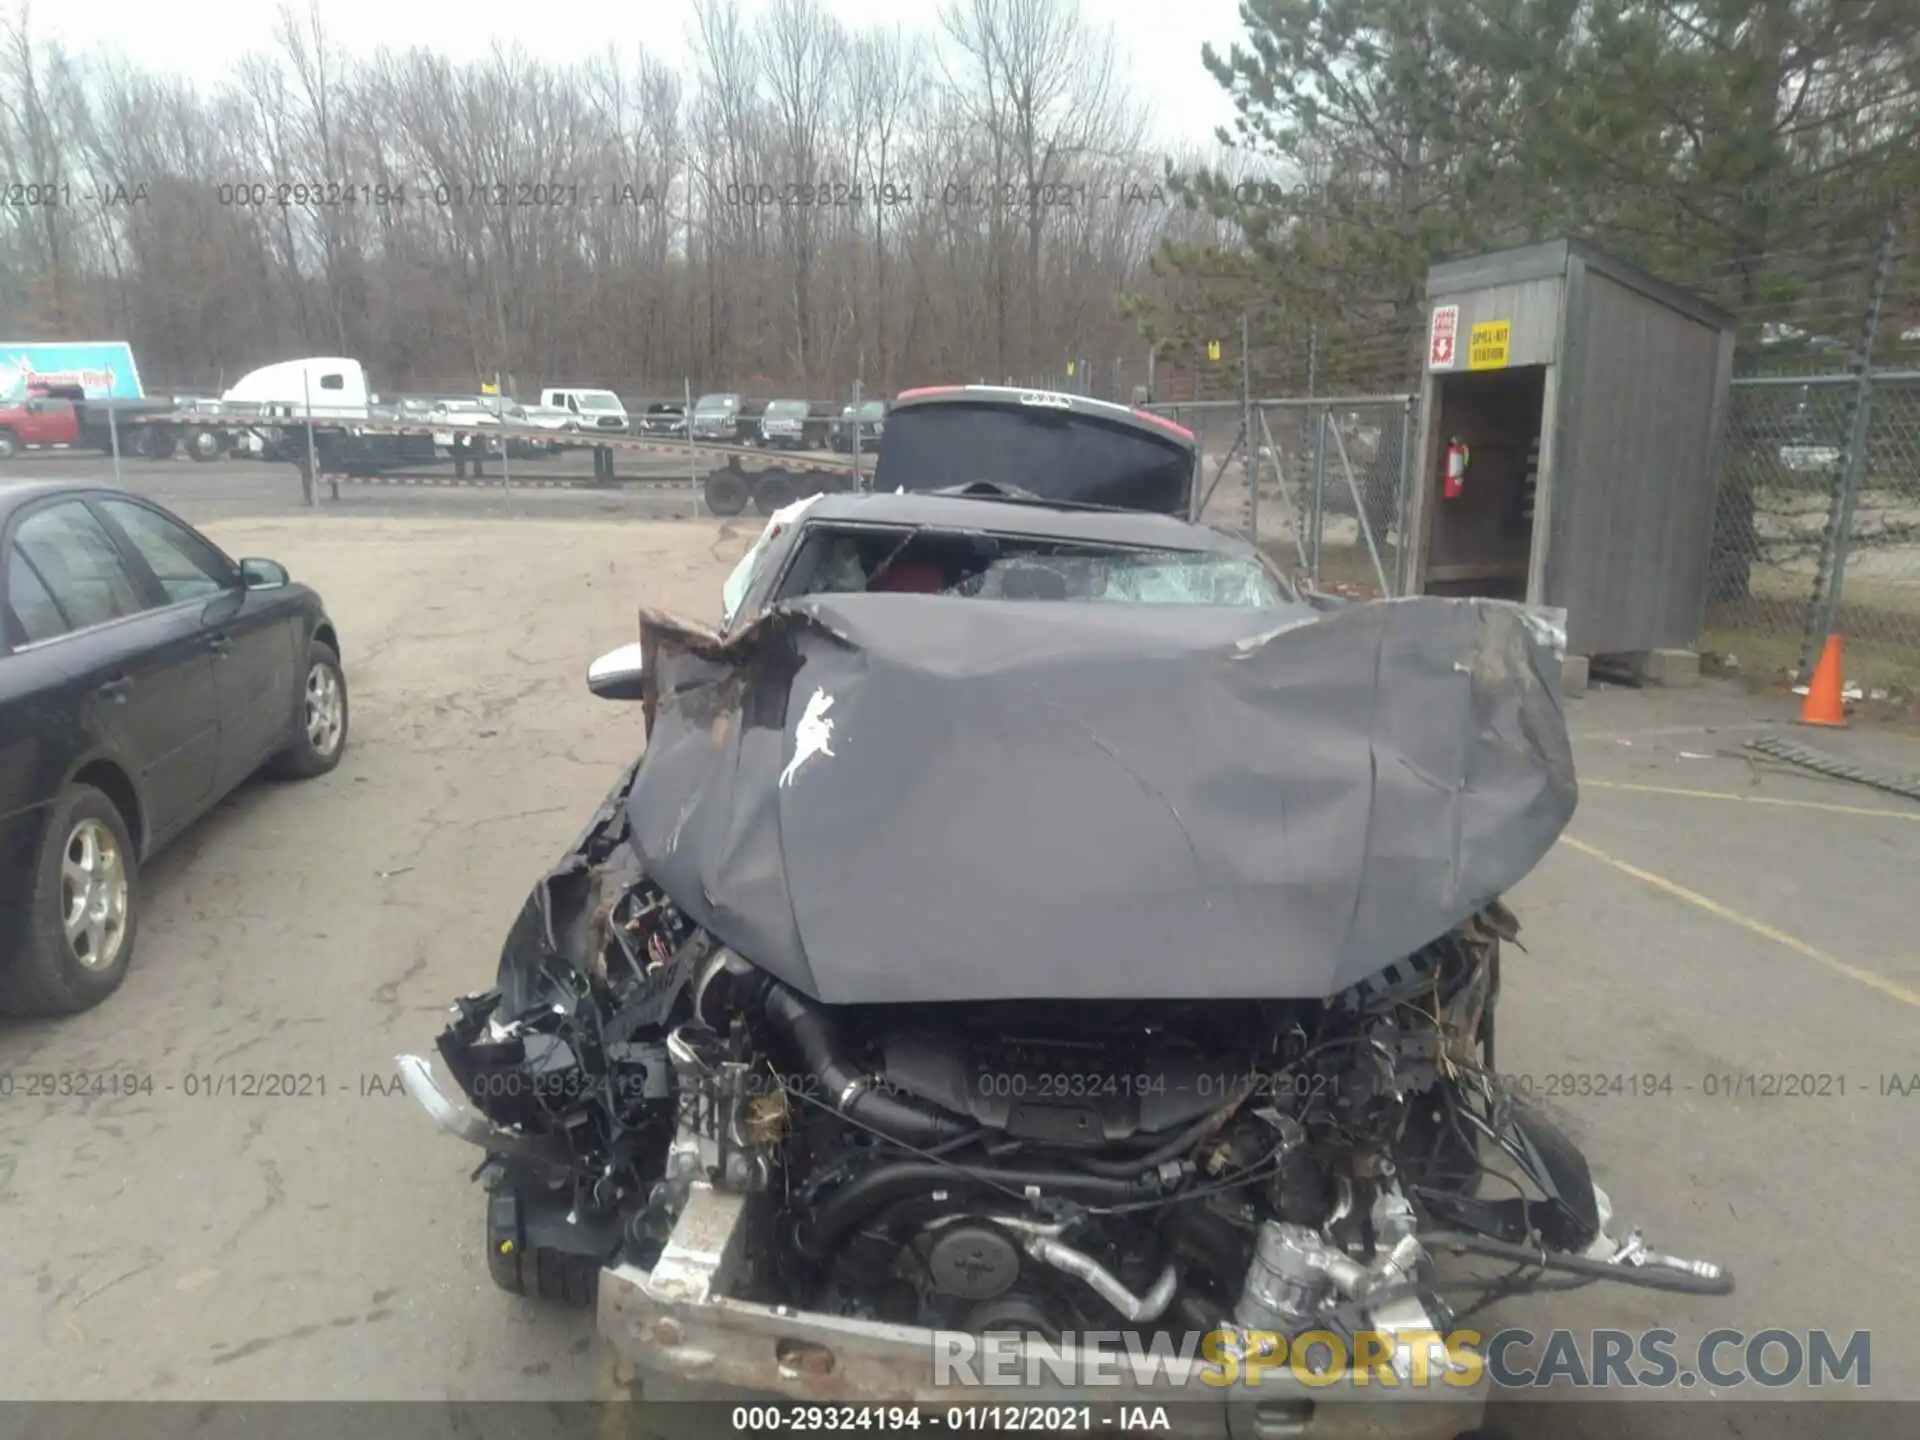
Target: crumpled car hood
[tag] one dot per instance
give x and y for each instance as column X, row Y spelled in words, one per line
column 894, row 798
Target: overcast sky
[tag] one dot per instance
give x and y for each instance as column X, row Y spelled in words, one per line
column 1160, row 39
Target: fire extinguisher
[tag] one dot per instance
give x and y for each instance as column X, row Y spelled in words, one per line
column 1456, row 471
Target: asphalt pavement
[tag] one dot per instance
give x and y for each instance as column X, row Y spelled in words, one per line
column 1707, row 923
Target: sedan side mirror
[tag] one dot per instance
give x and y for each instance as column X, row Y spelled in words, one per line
column 261, row 574
column 618, row 674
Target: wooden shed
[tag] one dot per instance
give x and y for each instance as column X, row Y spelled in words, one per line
column 1591, row 399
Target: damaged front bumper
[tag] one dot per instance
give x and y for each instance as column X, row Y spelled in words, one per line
column 457, row 1120
column 680, row 1322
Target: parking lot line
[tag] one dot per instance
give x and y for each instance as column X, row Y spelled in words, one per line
column 1891, row 988
column 1827, row 805
column 1667, row 731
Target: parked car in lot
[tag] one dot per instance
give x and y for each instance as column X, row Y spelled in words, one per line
column 589, row 409
column 461, row 412
column 868, row 420
column 717, row 416
column 144, row 675
column 538, row 417
column 783, row 425
column 664, row 417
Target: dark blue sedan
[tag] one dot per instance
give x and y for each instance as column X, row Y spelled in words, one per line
column 144, row 675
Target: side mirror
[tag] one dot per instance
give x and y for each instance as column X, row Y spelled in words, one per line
column 618, row 674
column 260, row 574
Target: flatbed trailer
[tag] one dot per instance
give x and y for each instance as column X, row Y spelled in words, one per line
column 353, row 448
column 117, row 424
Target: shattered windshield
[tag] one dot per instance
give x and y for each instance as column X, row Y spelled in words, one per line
column 830, row 561
column 1144, row 578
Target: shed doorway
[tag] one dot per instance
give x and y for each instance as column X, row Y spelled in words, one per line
column 1480, row 541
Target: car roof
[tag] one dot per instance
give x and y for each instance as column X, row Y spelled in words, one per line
column 16, row 493
column 936, row 511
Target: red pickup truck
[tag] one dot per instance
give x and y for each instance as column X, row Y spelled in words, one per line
column 36, row 422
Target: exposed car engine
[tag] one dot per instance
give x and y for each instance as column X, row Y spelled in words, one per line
column 1032, row 1168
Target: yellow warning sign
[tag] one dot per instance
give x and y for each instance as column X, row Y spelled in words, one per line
column 1069, row 368
column 1213, row 349
column 1487, row 345
column 486, row 389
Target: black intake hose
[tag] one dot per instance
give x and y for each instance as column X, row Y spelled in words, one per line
column 810, row 1031
column 1647, row 1277
column 820, row 1234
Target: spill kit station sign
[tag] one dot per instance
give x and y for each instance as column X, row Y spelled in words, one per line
column 1488, row 344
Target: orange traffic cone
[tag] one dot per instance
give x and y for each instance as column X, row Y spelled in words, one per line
column 1823, row 705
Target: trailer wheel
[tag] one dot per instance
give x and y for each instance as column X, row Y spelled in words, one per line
column 727, row 491
column 206, row 445
column 774, row 490
column 161, row 443
column 10, row 447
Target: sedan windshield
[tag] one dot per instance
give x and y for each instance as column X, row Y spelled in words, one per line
column 1144, row 578
column 838, row 561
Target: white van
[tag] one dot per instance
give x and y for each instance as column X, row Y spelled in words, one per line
column 596, row 409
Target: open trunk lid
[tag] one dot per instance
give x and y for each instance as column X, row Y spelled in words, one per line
column 1064, row 448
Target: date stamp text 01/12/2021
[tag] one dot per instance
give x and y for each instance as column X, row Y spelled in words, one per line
column 289, row 1084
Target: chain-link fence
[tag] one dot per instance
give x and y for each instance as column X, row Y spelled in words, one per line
column 1318, row 483
column 1796, row 495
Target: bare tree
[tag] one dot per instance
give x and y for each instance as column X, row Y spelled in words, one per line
column 445, row 222
column 34, row 148
column 887, row 71
column 804, row 59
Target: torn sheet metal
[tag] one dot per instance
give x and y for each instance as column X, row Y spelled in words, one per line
column 559, row 926
column 1042, row 800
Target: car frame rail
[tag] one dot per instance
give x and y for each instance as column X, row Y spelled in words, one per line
column 681, row 1323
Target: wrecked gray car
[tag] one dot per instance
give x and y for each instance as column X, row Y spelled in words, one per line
column 1038, row 922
